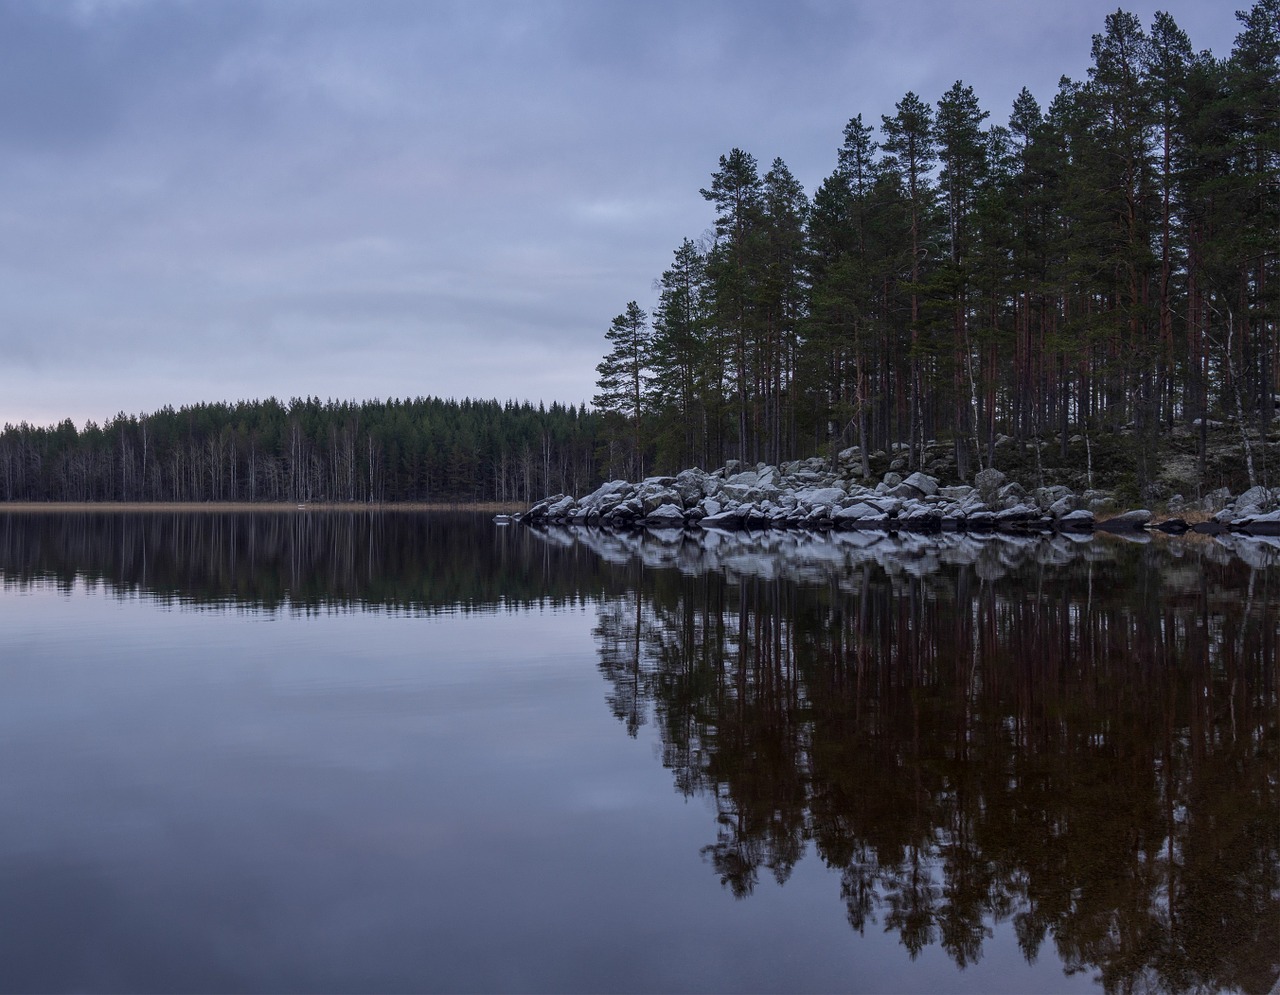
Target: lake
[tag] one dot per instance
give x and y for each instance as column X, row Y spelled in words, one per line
column 304, row 751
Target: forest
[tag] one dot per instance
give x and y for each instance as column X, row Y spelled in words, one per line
column 1103, row 268
column 307, row 450
column 1107, row 264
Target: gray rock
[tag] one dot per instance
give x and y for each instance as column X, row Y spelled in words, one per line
column 666, row 516
column 1216, row 500
column 1045, row 497
column 821, row 496
column 989, row 482
column 860, row 512
column 1267, row 523
column 1011, row 490
column 1017, row 513
column 692, row 485
column 1255, row 497
column 924, row 484
column 1078, row 520
column 654, row 499
column 955, row 493
column 1136, row 519
column 559, row 507
column 1064, row 506
column 730, row 520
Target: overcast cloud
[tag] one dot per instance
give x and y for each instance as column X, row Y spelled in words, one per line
column 216, row 200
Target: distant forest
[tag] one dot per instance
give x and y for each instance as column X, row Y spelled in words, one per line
column 424, row 449
column 1107, row 266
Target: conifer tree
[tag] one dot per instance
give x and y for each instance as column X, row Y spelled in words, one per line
column 686, row 384
column 732, row 271
column 909, row 148
column 624, row 377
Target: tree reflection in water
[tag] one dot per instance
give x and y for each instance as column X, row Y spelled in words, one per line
column 1077, row 737
column 1080, row 737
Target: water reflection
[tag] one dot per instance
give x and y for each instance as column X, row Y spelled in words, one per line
column 1075, row 738
column 1079, row 737
column 300, row 562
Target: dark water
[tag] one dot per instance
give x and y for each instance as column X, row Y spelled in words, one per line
column 408, row 752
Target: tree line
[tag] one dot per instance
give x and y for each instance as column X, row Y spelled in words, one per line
column 420, row 449
column 1108, row 263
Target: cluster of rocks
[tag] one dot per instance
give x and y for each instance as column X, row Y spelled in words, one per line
column 810, row 495
column 1256, row 510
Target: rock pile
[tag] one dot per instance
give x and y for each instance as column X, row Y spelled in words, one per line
column 810, row 495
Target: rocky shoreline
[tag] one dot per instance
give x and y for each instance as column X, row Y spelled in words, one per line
column 811, row 495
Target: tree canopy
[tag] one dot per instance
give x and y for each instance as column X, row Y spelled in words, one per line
column 1108, row 265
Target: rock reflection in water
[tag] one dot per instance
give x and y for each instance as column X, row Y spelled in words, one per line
column 1079, row 737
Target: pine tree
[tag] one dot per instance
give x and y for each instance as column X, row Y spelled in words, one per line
column 909, row 144
column 624, row 377
column 685, row 384
column 962, row 150
column 733, row 269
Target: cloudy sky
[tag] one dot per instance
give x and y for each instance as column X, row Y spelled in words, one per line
column 221, row 200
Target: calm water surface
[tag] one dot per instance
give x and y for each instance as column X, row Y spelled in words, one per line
column 402, row 752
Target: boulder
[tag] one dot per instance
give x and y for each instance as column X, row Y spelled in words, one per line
column 989, row 482
column 859, row 513
column 1255, row 497
column 924, row 484
column 1046, row 497
column 1080, row 520
column 1018, row 514
column 693, row 485
column 958, row 493
column 1129, row 521
column 729, row 520
column 1064, row 506
column 815, row 496
column 1216, row 500
column 665, row 516
column 1267, row 523
column 560, row 507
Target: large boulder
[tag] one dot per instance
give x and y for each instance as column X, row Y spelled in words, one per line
column 1064, row 506
column 861, row 513
column 560, row 508
column 989, row 482
column 693, row 485
column 1129, row 521
column 926, row 485
column 607, row 494
column 820, row 496
column 1080, row 520
column 1216, row 500
column 665, row 516
column 1254, row 500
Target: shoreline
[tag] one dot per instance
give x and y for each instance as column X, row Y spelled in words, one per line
column 235, row 507
column 812, row 495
